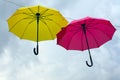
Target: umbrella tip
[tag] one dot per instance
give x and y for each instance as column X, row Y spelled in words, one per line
column 37, row 14
column 83, row 25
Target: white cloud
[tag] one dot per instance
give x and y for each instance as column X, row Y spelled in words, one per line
column 5, row 60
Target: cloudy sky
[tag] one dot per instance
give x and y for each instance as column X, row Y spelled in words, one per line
column 17, row 61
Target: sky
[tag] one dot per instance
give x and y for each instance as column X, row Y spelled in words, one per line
column 17, row 61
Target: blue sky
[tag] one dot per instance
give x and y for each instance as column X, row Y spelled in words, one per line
column 17, row 61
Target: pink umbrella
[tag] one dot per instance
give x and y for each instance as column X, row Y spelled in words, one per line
column 85, row 34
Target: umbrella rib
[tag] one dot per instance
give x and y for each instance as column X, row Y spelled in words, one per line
column 101, row 31
column 18, row 22
column 88, row 26
column 44, row 11
column 31, row 11
column 54, row 22
column 48, row 15
column 71, row 39
column 21, row 13
column 78, row 28
column 89, row 22
column 94, row 38
column 27, row 14
column 48, row 28
column 96, row 23
column 27, row 27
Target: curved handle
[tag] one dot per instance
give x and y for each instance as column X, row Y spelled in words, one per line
column 35, row 50
column 90, row 65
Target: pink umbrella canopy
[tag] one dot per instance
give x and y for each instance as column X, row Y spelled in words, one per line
column 85, row 34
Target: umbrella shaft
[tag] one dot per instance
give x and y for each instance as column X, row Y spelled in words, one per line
column 84, row 30
column 37, row 30
column 86, row 40
column 37, row 16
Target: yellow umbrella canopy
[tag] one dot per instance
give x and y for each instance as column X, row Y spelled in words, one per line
column 36, row 23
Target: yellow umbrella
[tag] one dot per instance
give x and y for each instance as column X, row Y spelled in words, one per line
column 36, row 23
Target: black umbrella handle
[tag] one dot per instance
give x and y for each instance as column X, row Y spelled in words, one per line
column 36, row 50
column 89, row 65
